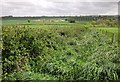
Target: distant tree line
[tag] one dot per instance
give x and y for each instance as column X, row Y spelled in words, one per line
column 105, row 22
column 76, row 18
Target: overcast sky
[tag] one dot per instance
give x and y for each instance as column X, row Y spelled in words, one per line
column 58, row 7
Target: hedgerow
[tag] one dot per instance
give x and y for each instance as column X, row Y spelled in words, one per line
column 58, row 53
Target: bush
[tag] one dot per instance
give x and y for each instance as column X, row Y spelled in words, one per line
column 71, row 20
column 28, row 21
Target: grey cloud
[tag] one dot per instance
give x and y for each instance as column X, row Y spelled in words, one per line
column 57, row 7
column 85, row 8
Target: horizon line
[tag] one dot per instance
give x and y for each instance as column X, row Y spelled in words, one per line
column 55, row 15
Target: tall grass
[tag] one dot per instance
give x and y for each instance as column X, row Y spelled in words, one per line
column 58, row 53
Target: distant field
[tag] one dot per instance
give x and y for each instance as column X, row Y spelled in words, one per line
column 25, row 22
column 43, row 24
column 109, row 29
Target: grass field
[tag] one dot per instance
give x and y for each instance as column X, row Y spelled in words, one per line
column 109, row 29
column 58, row 51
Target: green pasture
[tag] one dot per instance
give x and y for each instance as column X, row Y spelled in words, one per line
column 109, row 29
column 38, row 23
column 112, row 32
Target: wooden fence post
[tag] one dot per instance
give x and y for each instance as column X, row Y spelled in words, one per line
column 106, row 32
column 113, row 38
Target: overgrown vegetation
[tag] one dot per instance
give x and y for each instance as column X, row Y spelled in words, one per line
column 58, row 53
column 105, row 22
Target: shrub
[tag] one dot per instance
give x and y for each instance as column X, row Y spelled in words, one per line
column 71, row 20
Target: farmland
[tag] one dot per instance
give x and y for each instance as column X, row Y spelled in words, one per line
column 55, row 49
column 112, row 30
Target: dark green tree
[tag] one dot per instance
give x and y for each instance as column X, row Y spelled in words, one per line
column 71, row 20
